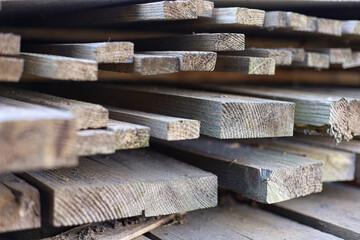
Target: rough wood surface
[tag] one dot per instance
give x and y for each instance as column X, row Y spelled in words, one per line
column 122, row 185
column 354, row 61
column 128, row 135
column 245, row 65
column 204, row 8
column 221, row 116
column 335, row 210
column 11, row 68
column 297, row 54
column 351, row 27
column 194, row 42
column 314, row 60
column 161, row 126
column 262, row 175
column 9, row 44
column 281, row 19
column 102, row 52
column 146, row 64
column 95, row 141
column 87, row 115
column 191, row 60
column 19, row 204
column 237, row 222
column 329, row 26
column 337, row 165
column 35, row 137
column 338, row 116
column 235, row 17
column 58, row 67
column 281, row 56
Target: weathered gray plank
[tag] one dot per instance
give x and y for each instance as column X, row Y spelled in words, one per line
column 11, row 69
column 9, row 44
column 245, row 65
column 95, row 141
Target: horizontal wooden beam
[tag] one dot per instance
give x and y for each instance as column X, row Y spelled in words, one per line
column 245, row 65
column 9, row 44
column 95, row 141
column 11, row 68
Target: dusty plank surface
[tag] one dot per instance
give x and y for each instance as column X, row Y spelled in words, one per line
column 351, row 27
column 128, row 135
column 11, row 68
column 95, row 141
column 264, row 176
column 194, row 42
column 204, row 8
column 146, row 64
column 281, row 19
column 329, row 26
column 191, row 60
column 340, row 116
column 102, row 52
column 237, row 222
column 59, row 67
column 335, row 210
column 336, row 55
column 87, row 115
column 314, row 60
column 281, row 56
column 122, row 185
column 298, row 54
column 9, row 44
column 245, row 65
column 35, row 137
column 337, row 165
column 161, row 126
column 236, row 17
column 354, row 61
column 19, row 204
column 221, row 116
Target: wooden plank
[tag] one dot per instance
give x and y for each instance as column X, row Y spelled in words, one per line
column 161, row 126
column 191, row 60
column 35, row 137
column 354, row 61
column 19, row 204
column 9, row 44
column 194, row 42
column 95, row 141
column 146, row 65
column 115, row 230
column 351, row 27
column 314, row 113
column 11, row 68
column 337, row 165
column 221, row 116
column 336, row 55
column 237, row 222
column 281, row 56
column 297, row 54
column 60, row 68
column 126, row 184
column 235, row 17
column 102, row 52
column 204, row 8
column 334, row 210
column 87, row 115
column 245, row 65
column 128, row 135
column 287, row 20
column 329, row 26
column 314, row 60
column 262, row 175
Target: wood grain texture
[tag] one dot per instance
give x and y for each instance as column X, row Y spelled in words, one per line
column 194, row 42
column 336, row 55
column 60, row 68
column 161, row 126
column 262, row 175
column 237, row 222
column 35, row 137
column 314, row 60
column 11, row 68
column 221, row 116
column 145, row 64
column 9, row 44
column 236, row 17
column 339, row 116
column 297, row 54
column 191, row 60
column 337, row 165
column 281, row 19
column 19, row 204
column 281, row 56
column 102, row 52
column 245, row 65
column 95, row 141
column 351, row 27
column 354, row 61
column 204, row 8
column 329, row 26
column 128, row 135
column 126, row 184
column 335, row 210
column 87, row 115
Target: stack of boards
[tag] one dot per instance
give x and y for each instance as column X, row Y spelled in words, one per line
column 161, row 153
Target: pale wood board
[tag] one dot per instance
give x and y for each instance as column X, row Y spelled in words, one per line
column 245, row 65
column 9, row 44
column 11, row 69
column 204, row 8
column 87, row 115
column 161, row 126
column 19, row 204
column 351, row 27
column 354, row 61
column 287, row 20
column 314, row 60
column 95, row 141
column 35, row 137
column 262, row 175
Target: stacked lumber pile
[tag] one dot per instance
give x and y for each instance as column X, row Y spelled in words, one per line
column 117, row 119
